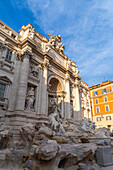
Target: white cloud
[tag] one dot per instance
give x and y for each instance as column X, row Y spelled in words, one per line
column 87, row 30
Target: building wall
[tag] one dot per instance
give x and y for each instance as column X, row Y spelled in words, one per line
column 103, row 113
column 31, row 66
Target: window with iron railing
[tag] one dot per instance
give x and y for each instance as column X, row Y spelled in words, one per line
column 106, row 108
column 96, row 101
column 95, row 93
column 99, row 119
column 108, row 117
column 97, row 109
column 9, row 54
column 105, row 99
column 104, row 91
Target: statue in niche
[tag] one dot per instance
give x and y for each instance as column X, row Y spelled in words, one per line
column 34, row 69
column 30, row 99
column 55, row 116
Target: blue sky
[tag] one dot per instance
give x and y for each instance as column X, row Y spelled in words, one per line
column 86, row 27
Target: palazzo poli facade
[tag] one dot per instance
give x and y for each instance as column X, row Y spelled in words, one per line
column 35, row 73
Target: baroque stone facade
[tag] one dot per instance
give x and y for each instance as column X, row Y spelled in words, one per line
column 34, row 74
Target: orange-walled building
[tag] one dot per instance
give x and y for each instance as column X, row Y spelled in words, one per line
column 102, row 104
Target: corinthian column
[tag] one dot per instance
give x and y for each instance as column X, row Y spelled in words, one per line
column 44, row 96
column 21, row 95
column 14, row 87
column 77, row 110
column 67, row 98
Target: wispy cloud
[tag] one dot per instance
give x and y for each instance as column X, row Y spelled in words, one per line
column 87, row 30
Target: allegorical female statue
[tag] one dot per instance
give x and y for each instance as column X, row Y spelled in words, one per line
column 30, row 99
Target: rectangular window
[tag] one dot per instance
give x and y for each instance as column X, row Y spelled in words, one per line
column 106, row 108
column 109, row 126
column 108, row 117
column 9, row 54
column 99, row 118
column 104, row 91
column 96, row 101
column 13, row 36
column 2, row 90
column 105, row 99
column 97, row 109
column 95, row 93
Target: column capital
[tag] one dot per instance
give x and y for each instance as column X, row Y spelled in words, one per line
column 67, row 76
column 26, row 54
column 46, row 63
column 76, row 84
column 40, row 65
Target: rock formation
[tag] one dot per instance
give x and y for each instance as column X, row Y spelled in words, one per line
column 41, row 147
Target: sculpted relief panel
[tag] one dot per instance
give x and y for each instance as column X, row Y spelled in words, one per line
column 34, row 70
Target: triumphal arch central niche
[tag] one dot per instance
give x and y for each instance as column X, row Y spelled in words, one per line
column 55, row 90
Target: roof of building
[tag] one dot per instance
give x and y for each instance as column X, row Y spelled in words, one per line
column 104, row 83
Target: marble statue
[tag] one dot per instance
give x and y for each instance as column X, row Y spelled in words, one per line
column 55, row 42
column 30, row 99
column 88, row 126
column 55, row 116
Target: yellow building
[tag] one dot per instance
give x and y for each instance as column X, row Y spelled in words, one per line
column 102, row 104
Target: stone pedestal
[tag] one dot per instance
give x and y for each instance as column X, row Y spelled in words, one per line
column 104, row 156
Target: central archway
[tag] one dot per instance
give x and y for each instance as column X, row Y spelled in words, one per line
column 55, row 90
column 55, row 86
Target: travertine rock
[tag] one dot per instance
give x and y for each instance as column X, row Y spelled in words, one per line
column 46, row 131
column 40, row 147
column 102, row 132
column 47, row 150
column 5, row 138
column 75, row 153
column 27, row 132
column 60, row 139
